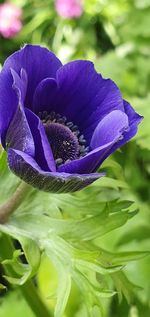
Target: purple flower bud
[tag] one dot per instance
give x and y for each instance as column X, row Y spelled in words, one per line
column 58, row 123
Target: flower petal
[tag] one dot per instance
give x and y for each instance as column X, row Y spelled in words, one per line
column 19, row 134
column 134, row 120
column 81, row 94
column 8, row 102
column 84, row 97
column 134, row 117
column 109, row 128
column 44, row 96
column 43, row 152
column 27, row 169
column 20, row 84
column 38, row 63
column 106, row 134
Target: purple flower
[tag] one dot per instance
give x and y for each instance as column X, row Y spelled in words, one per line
column 59, row 123
column 69, row 8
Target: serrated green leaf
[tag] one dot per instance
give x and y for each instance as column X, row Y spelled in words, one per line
column 24, row 271
column 85, row 229
column 119, row 205
column 89, row 292
column 97, row 226
column 32, row 254
column 97, row 268
column 125, row 257
column 63, row 292
column 124, row 286
column 61, row 223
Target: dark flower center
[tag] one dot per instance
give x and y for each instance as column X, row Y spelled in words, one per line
column 63, row 142
column 67, row 143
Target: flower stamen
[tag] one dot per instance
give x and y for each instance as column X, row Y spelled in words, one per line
column 66, row 141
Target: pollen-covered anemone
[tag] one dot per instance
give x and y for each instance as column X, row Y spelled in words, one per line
column 58, row 123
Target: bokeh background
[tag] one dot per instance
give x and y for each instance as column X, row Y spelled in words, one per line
column 115, row 35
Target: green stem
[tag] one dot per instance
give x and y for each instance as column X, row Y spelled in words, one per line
column 34, row 300
column 13, row 202
column 28, row 290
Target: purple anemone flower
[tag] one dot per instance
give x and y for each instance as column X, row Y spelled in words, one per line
column 59, row 123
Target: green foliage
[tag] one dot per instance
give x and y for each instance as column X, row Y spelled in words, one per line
column 143, row 137
column 82, row 249
column 20, row 309
column 64, row 228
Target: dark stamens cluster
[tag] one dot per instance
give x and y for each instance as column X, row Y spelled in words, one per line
column 66, row 145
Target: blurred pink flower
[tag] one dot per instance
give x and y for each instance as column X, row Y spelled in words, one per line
column 10, row 19
column 69, row 8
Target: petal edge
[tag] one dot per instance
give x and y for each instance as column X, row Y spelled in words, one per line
column 28, row 170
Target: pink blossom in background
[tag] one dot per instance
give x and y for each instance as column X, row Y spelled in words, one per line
column 10, row 19
column 69, row 8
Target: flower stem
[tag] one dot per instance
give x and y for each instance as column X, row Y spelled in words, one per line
column 34, row 300
column 13, row 202
column 28, row 289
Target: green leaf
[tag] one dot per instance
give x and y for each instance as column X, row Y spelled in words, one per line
column 125, row 257
column 24, row 271
column 63, row 227
column 124, row 286
column 63, row 292
column 94, row 227
column 96, row 268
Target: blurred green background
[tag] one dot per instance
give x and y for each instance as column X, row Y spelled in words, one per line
column 115, row 35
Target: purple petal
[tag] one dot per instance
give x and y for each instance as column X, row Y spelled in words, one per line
column 43, row 152
column 106, row 134
column 27, row 169
column 109, row 128
column 20, row 84
column 38, row 62
column 44, row 96
column 8, row 102
column 81, row 94
column 84, row 97
column 19, row 134
column 134, row 120
column 134, row 117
